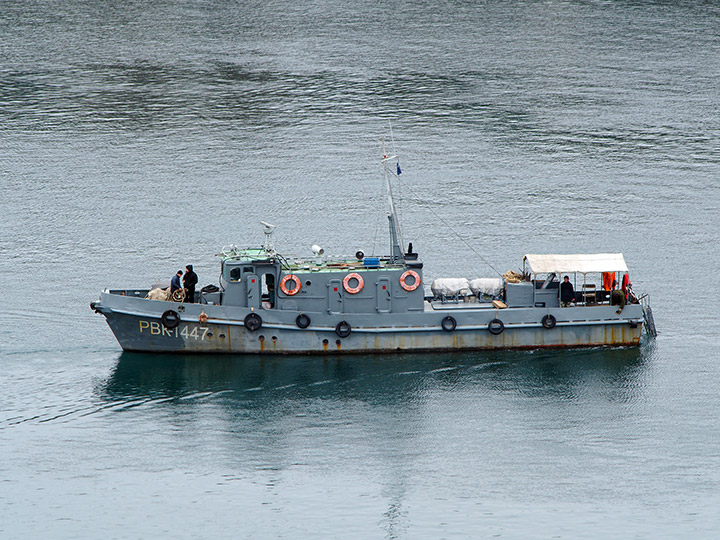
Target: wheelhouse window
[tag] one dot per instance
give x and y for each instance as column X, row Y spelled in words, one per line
column 235, row 274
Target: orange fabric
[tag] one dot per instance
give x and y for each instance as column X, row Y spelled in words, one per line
column 607, row 279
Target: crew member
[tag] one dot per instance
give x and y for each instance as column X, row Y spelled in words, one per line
column 189, row 281
column 175, row 282
column 617, row 298
column 567, row 293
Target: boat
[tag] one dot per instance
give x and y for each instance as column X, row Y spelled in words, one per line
column 269, row 303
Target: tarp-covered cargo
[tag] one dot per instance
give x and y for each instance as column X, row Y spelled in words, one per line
column 449, row 286
column 488, row 286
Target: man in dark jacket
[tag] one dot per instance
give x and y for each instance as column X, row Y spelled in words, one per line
column 175, row 282
column 189, row 281
column 617, row 297
column 567, row 293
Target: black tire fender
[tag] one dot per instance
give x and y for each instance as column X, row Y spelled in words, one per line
column 496, row 327
column 170, row 319
column 343, row 329
column 549, row 321
column 253, row 322
column 302, row 321
column 448, row 324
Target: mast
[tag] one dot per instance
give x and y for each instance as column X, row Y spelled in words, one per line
column 396, row 252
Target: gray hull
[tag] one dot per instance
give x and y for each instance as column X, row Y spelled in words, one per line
column 137, row 325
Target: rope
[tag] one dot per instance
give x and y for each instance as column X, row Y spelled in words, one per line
column 421, row 201
column 283, row 261
column 178, row 295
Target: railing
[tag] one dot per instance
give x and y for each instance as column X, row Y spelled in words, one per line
column 648, row 315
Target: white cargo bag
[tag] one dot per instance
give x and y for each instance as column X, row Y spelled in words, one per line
column 448, row 286
column 158, row 294
column 488, row 286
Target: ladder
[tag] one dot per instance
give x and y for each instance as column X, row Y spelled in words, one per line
column 648, row 316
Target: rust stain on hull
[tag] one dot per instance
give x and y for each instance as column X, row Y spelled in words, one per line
column 314, row 342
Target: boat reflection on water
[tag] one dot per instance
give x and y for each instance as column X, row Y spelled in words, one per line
column 251, row 380
column 381, row 424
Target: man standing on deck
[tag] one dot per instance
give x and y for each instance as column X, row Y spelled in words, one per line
column 567, row 293
column 175, row 282
column 189, row 281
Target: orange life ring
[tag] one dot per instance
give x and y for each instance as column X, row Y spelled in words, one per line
column 407, row 274
column 294, row 290
column 360, row 285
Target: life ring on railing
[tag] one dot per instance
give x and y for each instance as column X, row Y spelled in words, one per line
column 295, row 289
column 496, row 327
column 170, row 319
column 253, row 322
column 358, row 288
column 549, row 321
column 414, row 285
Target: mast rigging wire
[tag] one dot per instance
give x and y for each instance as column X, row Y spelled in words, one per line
column 427, row 205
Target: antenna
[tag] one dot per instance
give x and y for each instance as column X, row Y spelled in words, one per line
column 268, row 229
column 396, row 253
column 392, row 139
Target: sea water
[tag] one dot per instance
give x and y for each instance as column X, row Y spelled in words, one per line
column 136, row 138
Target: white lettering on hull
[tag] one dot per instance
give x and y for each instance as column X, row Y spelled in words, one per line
column 154, row 328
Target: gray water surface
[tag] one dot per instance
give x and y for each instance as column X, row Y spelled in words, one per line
column 136, row 138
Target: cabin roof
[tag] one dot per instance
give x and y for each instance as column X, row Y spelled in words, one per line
column 301, row 265
column 582, row 263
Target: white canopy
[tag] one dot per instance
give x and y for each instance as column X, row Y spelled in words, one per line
column 582, row 263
